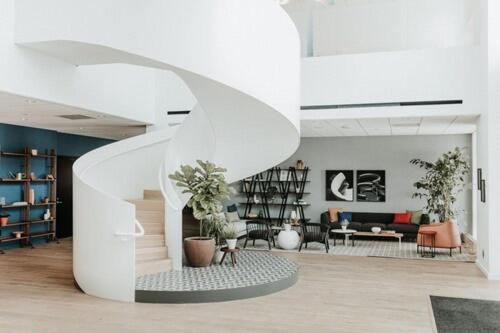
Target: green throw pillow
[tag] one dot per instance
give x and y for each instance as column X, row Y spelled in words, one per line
column 416, row 216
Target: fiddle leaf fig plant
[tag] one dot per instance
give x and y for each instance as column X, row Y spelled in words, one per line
column 208, row 188
column 443, row 180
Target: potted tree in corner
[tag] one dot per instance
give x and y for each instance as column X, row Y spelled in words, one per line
column 442, row 181
column 208, row 189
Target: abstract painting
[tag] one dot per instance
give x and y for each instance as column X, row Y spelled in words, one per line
column 370, row 185
column 339, row 185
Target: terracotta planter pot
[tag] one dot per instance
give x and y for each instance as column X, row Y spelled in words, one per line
column 199, row 251
column 4, row 221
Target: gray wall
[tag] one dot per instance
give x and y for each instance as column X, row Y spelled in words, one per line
column 392, row 154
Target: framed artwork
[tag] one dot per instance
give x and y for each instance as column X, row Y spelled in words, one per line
column 339, row 185
column 370, row 185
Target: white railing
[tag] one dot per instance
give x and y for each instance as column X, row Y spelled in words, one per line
column 125, row 236
column 241, row 61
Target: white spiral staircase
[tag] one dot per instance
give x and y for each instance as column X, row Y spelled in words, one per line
column 240, row 58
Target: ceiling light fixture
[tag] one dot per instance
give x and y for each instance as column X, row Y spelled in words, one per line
column 345, row 127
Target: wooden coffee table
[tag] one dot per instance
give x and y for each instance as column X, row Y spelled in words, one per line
column 379, row 235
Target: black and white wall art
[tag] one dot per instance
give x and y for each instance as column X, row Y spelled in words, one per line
column 370, row 185
column 339, row 185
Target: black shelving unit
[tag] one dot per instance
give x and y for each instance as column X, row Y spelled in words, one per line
column 287, row 184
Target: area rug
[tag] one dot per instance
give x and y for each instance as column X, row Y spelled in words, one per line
column 369, row 248
column 453, row 315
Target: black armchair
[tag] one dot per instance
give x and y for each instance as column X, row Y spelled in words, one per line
column 259, row 230
column 315, row 232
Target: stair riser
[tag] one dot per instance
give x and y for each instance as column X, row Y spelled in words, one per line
column 150, row 205
column 153, row 195
column 151, row 267
column 150, row 241
column 150, row 254
column 146, row 216
column 153, row 228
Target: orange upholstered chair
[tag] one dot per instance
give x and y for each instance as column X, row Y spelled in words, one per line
column 447, row 235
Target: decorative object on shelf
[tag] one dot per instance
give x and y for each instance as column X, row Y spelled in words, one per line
column 12, row 175
column 19, row 176
column 34, row 152
column 45, row 200
column 376, row 230
column 299, row 165
column 344, row 224
column 17, row 234
column 283, row 175
column 293, row 217
column 33, row 176
column 50, row 177
column 229, row 235
column 208, row 189
column 19, row 203
column 370, row 185
column 4, row 219
column 339, row 185
column 2, row 201
column 31, row 197
column 46, row 215
column 255, row 199
column 442, row 181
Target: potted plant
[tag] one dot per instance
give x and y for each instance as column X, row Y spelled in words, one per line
column 442, row 181
column 4, row 219
column 344, row 223
column 208, row 189
column 230, row 236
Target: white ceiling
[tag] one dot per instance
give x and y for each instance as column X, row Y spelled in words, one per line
column 389, row 126
column 23, row 111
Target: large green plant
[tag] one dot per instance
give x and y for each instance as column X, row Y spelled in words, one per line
column 208, row 188
column 442, row 181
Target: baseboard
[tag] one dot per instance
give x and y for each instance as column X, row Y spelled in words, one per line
column 489, row 276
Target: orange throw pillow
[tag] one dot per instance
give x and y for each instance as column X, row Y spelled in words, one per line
column 402, row 218
column 334, row 214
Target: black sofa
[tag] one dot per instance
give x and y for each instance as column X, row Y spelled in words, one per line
column 366, row 221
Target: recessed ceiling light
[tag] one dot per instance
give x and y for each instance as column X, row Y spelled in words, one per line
column 345, row 127
column 30, row 101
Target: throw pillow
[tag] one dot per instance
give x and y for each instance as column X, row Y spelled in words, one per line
column 232, row 208
column 345, row 216
column 402, row 218
column 334, row 214
column 232, row 217
column 416, row 216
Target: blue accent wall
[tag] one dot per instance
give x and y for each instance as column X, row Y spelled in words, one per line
column 15, row 139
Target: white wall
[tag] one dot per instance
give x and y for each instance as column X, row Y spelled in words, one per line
column 421, row 75
column 389, row 25
column 390, row 153
column 120, row 90
column 488, row 141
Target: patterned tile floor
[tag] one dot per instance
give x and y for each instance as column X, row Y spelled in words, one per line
column 253, row 268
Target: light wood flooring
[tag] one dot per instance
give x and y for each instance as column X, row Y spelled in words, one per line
column 333, row 294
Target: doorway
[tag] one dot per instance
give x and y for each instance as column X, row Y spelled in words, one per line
column 64, row 223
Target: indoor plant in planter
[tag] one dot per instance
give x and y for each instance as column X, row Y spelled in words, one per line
column 230, row 237
column 208, row 189
column 344, row 224
column 4, row 219
column 442, row 181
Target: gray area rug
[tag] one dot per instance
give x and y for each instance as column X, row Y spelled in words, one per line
column 457, row 315
column 369, row 248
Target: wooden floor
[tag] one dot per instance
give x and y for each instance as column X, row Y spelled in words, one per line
column 333, row 294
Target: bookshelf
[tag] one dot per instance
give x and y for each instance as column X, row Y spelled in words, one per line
column 27, row 213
